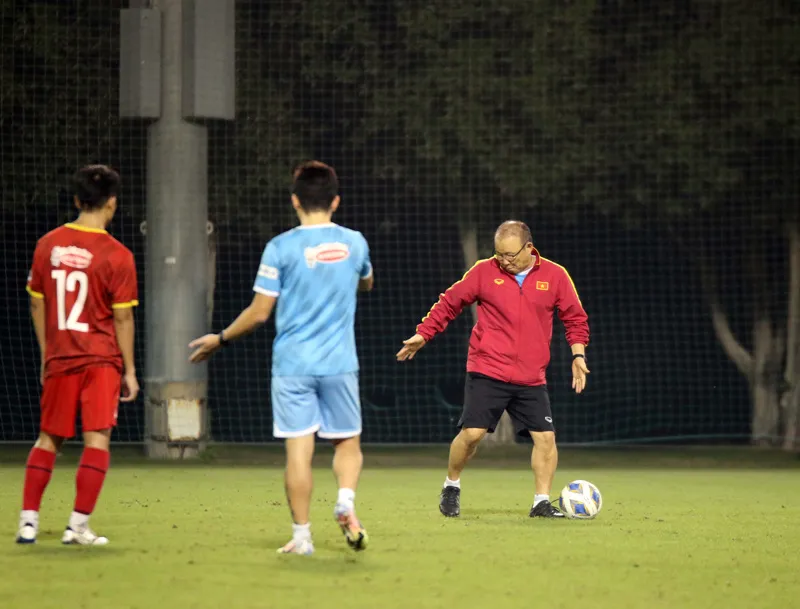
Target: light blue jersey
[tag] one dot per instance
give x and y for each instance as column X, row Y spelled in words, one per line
column 314, row 273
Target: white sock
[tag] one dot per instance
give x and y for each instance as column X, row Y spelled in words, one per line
column 347, row 497
column 455, row 483
column 537, row 499
column 29, row 517
column 301, row 532
column 78, row 521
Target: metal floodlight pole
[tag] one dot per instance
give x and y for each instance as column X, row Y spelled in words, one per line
column 176, row 63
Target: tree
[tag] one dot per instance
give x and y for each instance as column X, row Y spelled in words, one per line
column 713, row 111
column 44, row 68
column 652, row 112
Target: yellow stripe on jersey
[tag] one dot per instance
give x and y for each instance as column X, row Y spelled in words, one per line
column 32, row 293
column 574, row 289
column 85, row 229
column 125, row 305
column 428, row 314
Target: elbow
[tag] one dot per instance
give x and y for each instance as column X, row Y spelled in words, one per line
column 259, row 316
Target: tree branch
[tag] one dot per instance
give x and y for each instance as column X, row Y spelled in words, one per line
column 734, row 349
column 740, row 356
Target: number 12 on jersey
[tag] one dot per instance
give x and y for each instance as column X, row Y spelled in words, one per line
column 70, row 282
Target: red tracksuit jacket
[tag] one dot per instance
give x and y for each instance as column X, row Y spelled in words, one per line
column 511, row 341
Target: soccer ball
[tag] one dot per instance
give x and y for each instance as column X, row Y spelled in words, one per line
column 580, row 499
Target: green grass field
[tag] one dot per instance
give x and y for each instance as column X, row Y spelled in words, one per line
column 679, row 528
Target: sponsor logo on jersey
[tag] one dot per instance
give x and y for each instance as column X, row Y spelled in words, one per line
column 75, row 257
column 268, row 272
column 326, row 253
column 499, row 281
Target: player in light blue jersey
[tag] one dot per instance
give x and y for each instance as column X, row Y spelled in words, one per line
column 313, row 273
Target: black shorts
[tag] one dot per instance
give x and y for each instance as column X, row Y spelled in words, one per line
column 485, row 400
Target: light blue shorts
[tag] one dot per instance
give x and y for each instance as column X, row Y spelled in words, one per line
column 329, row 406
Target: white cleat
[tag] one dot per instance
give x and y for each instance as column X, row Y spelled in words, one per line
column 304, row 548
column 354, row 533
column 82, row 537
column 26, row 533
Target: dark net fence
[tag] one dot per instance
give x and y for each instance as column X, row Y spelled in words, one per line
column 651, row 146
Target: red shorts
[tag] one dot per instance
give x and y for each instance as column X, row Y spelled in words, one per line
column 94, row 392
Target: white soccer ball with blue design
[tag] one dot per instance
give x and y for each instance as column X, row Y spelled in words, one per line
column 580, row 500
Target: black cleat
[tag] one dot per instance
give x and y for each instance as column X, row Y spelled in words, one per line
column 545, row 509
column 450, row 501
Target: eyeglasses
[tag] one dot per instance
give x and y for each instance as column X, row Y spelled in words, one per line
column 509, row 257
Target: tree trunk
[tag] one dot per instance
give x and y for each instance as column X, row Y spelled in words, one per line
column 756, row 368
column 762, row 368
column 468, row 233
column 765, row 385
column 791, row 398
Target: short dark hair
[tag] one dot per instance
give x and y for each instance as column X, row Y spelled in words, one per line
column 94, row 185
column 316, row 185
column 514, row 228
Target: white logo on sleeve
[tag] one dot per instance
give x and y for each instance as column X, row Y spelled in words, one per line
column 75, row 257
column 549, row 419
column 268, row 272
column 326, row 253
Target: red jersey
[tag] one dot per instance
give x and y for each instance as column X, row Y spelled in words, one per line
column 511, row 340
column 82, row 274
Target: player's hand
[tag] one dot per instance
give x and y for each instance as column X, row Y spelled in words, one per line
column 410, row 347
column 130, row 387
column 579, row 372
column 204, row 347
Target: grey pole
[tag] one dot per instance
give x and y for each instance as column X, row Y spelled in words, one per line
column 176, row 421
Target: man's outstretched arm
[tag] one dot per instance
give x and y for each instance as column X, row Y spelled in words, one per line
column 450, row 304
column 248, row 320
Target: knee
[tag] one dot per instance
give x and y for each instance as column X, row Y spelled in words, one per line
column 100, row 440
column 347, row 448
column 471, row 436
column 49, row 442
column 544, row 440
column 352, row 444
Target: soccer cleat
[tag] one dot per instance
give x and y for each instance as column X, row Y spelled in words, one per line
column 354, row 533
column 450, row 501
column 304, row 547
column 26, row 533
column 82, row 537
column 545, row 509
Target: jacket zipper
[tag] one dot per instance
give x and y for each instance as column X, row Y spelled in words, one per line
column 519, row 329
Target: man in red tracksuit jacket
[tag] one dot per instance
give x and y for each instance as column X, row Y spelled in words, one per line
column 517, row 291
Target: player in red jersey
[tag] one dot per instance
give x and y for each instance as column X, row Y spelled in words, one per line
column 82, row 287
